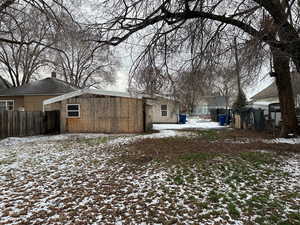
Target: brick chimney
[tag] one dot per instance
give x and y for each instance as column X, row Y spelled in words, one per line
column 53, row 74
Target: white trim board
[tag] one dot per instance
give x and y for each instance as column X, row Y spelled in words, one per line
column 88, row 91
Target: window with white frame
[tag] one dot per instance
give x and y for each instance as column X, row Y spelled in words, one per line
column 6, row 105
column 164, row 110
column 73, row 110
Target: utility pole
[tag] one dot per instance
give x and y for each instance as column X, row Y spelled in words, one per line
column 237, row 66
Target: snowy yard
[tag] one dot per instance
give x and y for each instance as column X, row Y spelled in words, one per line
column 171, row 177
column 191, row 124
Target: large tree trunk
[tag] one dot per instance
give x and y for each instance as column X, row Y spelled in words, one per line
column 285, row 93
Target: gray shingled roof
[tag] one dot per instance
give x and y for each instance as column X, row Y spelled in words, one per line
column 2, row 84
column 47, row 86
column 268, row 92
column 271, row 90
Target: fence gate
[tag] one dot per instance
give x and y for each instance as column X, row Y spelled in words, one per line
column 52, row 122
column 275, row 113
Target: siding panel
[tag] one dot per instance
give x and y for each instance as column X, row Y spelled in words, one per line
column 104, row 114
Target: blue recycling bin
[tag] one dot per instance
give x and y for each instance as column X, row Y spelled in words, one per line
column 222, row 119
column 182, row 118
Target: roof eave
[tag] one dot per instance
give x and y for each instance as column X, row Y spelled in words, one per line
column 88, row 91
column 43, row 94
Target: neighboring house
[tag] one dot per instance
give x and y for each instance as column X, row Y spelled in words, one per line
column 162, row 109
column 270, row 94
column 263, row 99
column 266, row 96
column 29, row 97
column 4, row 105
column 91, row 110
column 205, row 103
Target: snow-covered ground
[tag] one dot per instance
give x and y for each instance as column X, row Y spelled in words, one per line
column 166, row 130
column 44, row 138
column 191, row 124
column 195, row 123
column 118, row 139
column 81, row 179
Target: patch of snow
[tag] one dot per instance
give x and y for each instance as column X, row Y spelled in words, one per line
column 239, row 141
column 283, row 141
column 13, row 165
column 262, row 151
column 292, row 166
column 44, row 138
column 191, row 123
column 127, row 140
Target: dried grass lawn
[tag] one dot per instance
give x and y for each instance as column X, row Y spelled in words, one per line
column 199, row 177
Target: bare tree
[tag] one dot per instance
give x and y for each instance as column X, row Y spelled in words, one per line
column 225, row 84
column 83, row 63
column 13, row 8
column 26, row 40
column 272, row 22
column 242, row 69
column 213, row 68
column 148, row 78
column 187, row 90
column 80, row 62
column 84, row 67
column 25, row 27
column 21, row 61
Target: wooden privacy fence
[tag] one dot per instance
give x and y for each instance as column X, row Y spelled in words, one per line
column 249, row 118
column 19, row 124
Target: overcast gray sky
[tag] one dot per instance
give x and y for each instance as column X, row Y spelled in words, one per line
column 125, row 56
